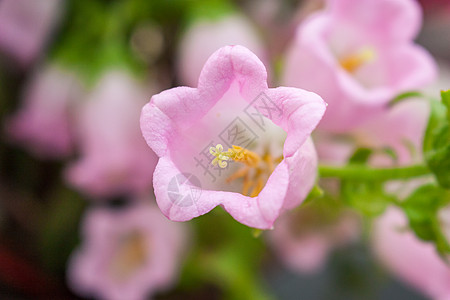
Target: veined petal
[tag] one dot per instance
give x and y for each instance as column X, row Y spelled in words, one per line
column 176, row 120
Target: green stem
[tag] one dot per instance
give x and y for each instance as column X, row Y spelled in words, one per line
column 405, row 96
column 359, row 172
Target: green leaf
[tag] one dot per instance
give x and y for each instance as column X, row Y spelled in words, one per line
column 315, row 193
column 389, row 151
column 360, row 156
column 257, row 232
column 422, row 208
column 368, row 198
column 445, row 95
column 212, row 10
column 404, row 96
column 436, row 144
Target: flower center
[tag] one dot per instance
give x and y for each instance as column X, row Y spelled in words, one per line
column 354, row 61
column 256, row 169
column 130, row 256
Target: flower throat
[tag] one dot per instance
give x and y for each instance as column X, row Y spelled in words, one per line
column 256, row 169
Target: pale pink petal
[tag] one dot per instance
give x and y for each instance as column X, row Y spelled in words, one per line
column 385, row 17
column 25, row 26
column 175, row 121
column 115, row 160
column 89, row 271
column 305, row 254
column 386, row 29
column 44, row 123
column 305, row 248
column 302, row 174
column 204, row 37
column 413, row 261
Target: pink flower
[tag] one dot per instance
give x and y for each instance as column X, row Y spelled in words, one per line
column 204, row 37
column 43, row 123
column 412, row 260
column 358, row 56
column 25, row 26
column 303, row 239
column 126, row 254
column 115, row 160
column 186, row 126
column 400, row 128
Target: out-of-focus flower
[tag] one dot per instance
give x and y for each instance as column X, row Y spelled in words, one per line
column 25, row 26
column 205, row 36
column 358, row 56
column 233, row 105
column 44, row 123
column 126, row 254
column 412, row 260
column 303, row 239
column 400, row 128
column 115, row 160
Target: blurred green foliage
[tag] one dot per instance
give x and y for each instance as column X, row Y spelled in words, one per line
column 436, row 145
column 422, row 208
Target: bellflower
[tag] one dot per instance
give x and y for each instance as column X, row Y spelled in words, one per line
column 44, row 124
column 126, row 254
column 25, row 25
column 359, row 55
column 412, row 260
column 303, row 239
column 206, row 36
column 115, row 160
column 400, row 128
column 266, row 163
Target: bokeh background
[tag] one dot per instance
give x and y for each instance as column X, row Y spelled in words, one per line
column 67, row 148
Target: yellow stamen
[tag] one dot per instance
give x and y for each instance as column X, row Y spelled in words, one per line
column 247, row 185
column 130, row 256
column 258, row 188
column 278, row 159
column 356, row 60
column 220, row 156
column 238, row 174
column 253, row 183
column 269, row 161
column 235, row 153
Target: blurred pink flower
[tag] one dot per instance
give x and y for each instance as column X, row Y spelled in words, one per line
column 115, row 160
column 302, row 239
column 205, row 36
column 181, row 124
column 359, row 55
column 43, row 124
column 126, row 254
column 400, row 128
column 412, row 260
column 25, row 26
